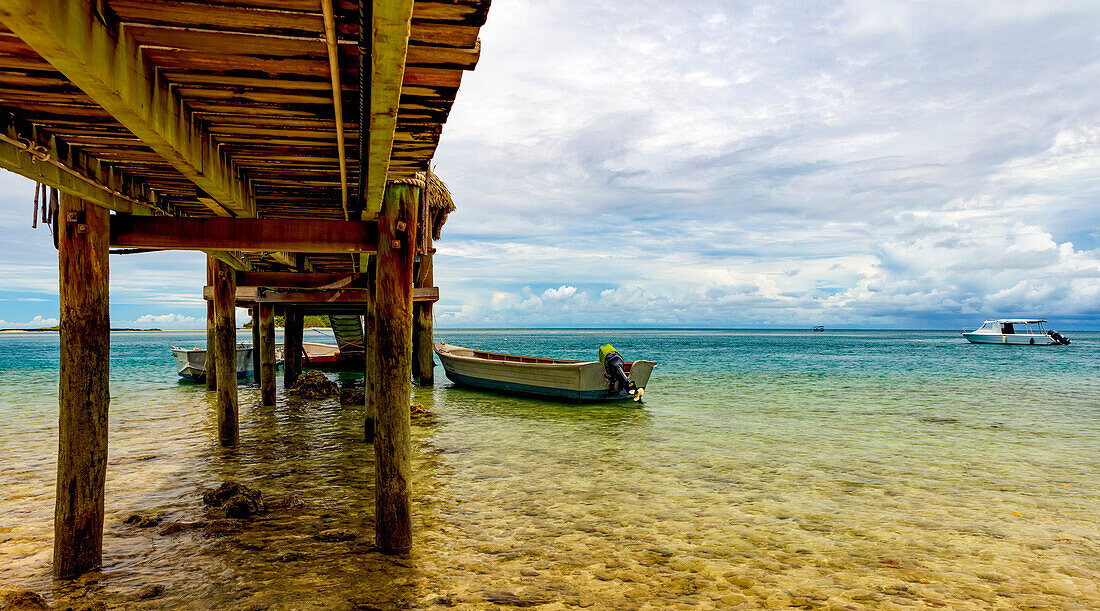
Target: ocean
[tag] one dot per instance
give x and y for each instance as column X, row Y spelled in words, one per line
column 774, row 469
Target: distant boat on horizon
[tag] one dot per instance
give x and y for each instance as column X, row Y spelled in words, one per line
column 819, row 328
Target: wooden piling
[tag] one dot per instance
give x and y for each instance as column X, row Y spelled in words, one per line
column 85, row 334
column 370, row 360
column 292, row 346
column 423, row 355
column 393, row 335
column 267, row 351
column 255, row 311
column 211, row 362
column 225, row 353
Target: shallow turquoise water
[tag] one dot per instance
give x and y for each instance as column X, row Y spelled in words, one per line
column 858, row 469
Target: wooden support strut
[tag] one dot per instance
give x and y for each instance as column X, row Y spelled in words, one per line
column 211, row 363
column 255, row 342
column 321, row 299
column 292, row 346
column 423, row 352
column 266, row 347
column 173, row 233
column 83, row 397
column 225, row 353
column 109, row 65
column 393, row 333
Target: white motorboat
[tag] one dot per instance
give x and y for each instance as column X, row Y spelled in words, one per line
column 566, row 380
column 191, row 362
column 1016, row 332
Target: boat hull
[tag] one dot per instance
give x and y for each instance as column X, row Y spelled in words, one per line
column 191, row 364
column 1016, row 339
column 574, row 381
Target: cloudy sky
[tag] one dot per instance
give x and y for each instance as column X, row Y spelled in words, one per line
column 728, row 164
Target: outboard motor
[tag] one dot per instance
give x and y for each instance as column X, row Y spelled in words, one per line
column 614, row 373
column 1058, row 338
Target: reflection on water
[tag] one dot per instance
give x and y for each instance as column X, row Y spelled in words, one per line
column 843, row 471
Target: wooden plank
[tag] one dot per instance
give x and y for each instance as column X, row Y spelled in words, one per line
column 391, row 41
column 266, row 347
column 94, row 182
column 112, row 69
column 393, row 317
column 168, row 233
column 225, row 353
column 83, row 391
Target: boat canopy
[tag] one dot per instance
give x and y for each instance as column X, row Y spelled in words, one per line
column 1018, row 321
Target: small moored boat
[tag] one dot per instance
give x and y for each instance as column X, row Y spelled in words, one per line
column 191, row 362
column 539, row 377
column 1016, row 332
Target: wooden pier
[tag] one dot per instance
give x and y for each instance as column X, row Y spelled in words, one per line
column 290, row 141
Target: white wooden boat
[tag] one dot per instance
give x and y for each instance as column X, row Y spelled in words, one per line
column 1016, row 332
column 191, row 362
column 560, row 379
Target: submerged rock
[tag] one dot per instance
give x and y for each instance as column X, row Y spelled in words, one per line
column 335, row 534
column 507, row 598
column 313, row 384
column 351, row 396
column 152, row 591
column 22, row 600
column 235, row 500
column 292, row 502
column 142, row 521
column 416, row 410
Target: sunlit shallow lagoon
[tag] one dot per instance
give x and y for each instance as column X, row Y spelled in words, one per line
column 859, row 470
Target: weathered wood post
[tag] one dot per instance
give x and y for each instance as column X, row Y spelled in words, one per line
column 211, row 362
column 393, row 334
column 266, row 347
column 83, row 234
column 370, row 354
column 292, row 345
column 423, row 355
column 255, row 310
column 225, row 353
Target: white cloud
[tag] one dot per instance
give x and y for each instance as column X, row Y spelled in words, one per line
column 34, row 323
column 164, row 321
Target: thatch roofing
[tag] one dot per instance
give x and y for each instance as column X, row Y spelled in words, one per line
column 440, row 203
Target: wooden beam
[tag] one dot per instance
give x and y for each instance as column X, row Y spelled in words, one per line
column 423, row 349
column 211, row 362
column 109, row 66
column 83, row 394
column 312, row 280
column 266, row 347
column 393, row 333
column 391, row 42
column 89, row 185
column 247, row 295
column 292, row 346
column 171, row 233
column 225, row 353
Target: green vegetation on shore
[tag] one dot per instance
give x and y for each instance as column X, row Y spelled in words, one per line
column 310, row 320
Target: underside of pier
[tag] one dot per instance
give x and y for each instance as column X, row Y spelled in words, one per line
column 290, row 140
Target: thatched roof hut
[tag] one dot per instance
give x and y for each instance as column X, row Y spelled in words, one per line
column 440, row 203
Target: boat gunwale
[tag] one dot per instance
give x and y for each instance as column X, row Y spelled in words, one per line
column 531, row 361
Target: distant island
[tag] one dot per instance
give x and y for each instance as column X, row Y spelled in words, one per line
column 55, row 328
